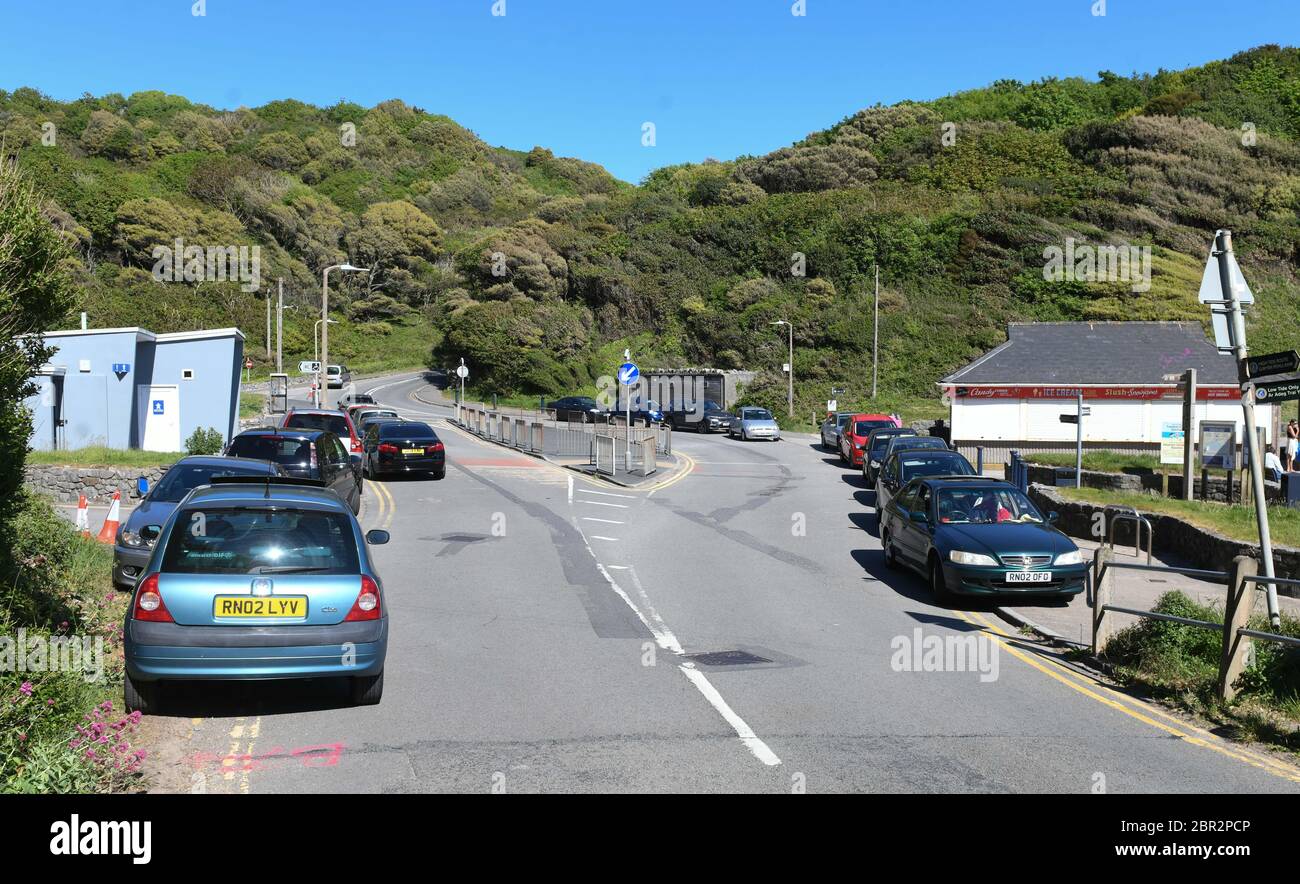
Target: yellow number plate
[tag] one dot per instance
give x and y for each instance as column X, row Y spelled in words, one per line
column 289, row 607
column 412, row 451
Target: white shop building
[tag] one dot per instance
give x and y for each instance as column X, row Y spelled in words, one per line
column 1013, row 396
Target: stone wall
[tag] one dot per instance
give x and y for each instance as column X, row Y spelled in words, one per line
column 67, row 484
column 1197, row 547
column 1139, row 482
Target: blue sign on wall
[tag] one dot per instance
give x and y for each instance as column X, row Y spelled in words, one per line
column 157, row 406
column 121, row 367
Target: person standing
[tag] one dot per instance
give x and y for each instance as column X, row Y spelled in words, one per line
column 1292, row 444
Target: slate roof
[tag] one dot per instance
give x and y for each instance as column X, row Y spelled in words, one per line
column 1099, row 353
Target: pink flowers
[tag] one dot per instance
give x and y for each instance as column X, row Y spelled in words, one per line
column 107, row 740
column 25, row 689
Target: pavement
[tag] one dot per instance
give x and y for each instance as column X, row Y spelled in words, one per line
column 732, row 628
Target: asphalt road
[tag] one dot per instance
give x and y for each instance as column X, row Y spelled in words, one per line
column 545, row 633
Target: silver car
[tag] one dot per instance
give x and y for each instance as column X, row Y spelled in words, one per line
column 754, row 423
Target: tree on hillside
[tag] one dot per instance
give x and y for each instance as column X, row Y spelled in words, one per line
column 35, row 296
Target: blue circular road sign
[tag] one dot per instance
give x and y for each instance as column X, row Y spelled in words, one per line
column 628, row 374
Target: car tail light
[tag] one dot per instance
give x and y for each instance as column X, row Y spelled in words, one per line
column 356, row 445
column 435, row 448
column 149, row 604
column 313, row 457
column 367, row 606
column 387, row 448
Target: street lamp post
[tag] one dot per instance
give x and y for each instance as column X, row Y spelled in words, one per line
column 315, row 340
column 323, row 400
column 790, row 373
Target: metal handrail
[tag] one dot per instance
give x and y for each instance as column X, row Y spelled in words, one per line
column 1139, row 520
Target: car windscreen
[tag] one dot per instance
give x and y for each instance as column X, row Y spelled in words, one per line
column 181, row 479
column 335, row 423
column 406, row 430
column 937, row 464
column 882, row 439
column 260, row 540
column 280, row 449
column 864, row 428
column 371, row 416
column 841, row 420
column 985, row 506
column 756, row 414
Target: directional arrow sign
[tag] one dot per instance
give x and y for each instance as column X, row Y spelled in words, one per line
column 1277, row 391
column 628, row 374
column 1274, row 363
column 1069, row 418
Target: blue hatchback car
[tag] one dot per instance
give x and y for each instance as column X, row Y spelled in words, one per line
column 256, row 579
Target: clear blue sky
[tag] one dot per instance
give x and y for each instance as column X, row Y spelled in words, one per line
column 719, row 78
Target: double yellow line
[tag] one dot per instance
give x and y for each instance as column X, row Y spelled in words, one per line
column 386, row 507
column 1130, row 706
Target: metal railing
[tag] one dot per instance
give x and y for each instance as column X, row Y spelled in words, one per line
column 1241, row 584
column 1116, row 513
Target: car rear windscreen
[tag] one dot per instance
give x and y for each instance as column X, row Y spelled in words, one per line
column 335, row 423
column 864, row 428
column 280, row 449
column 936, row 464
column 237, row 540
column 183, row 478
column 406, row 430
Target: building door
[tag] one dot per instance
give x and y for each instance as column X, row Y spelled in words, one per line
column 159, row 407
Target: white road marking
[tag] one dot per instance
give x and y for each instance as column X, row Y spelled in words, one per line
column 599, row 537
column 621, row 506
column 570, row 489
column 606, row 521
column 607, row 494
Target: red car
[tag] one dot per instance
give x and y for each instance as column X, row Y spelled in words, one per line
column 336, row 422
column 855, row 433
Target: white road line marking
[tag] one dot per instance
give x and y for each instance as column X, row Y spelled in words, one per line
column 599, row 537
column 740, row 463
column 617, row 567
column 621, row 506
column 606, row 521
column 607, row 493
column 747, row 736
column 570, row 489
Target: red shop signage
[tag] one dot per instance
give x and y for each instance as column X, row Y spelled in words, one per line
column 1129, row 393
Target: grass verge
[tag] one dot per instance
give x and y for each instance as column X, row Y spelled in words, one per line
column 1180, row 664
column 61, row 728
column 1236, row 522
column 99, row 456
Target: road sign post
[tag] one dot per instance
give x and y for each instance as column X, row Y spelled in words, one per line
column 462, row 372
column 628, row 374
column 1080, row 412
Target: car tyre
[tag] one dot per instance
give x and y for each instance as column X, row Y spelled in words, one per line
column 891, row 557
column 140, row 696
column 368, row 690
column 440, row 473
column 938, row 585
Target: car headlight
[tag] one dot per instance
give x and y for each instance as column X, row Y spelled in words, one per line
column 1075, row 557
column 970, row 558
column 135, row 541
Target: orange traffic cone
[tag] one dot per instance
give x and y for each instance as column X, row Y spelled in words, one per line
column 108, row 534
column 83, row 517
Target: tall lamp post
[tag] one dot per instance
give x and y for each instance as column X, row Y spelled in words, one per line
column 790, row 373
column 323, row 401
column 315, row 340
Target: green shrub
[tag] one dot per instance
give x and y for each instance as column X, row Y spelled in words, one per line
column 205, row 441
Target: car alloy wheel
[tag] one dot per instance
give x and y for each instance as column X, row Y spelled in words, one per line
column 938, row 587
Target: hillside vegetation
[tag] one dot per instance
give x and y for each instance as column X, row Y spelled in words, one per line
column 538, row 270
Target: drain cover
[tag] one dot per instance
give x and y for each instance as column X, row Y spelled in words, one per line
column 727, row 658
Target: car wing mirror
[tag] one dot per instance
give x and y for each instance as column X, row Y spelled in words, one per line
column 1052, row 517
column 377, row 536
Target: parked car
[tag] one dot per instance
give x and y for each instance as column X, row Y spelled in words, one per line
column 853, row 435
column 978, row 536
column 305, row 454
column 376, row 415
column 749, row 422
column 644, row 412
column 902, row 465
column 323, row 419
column 579, row 409
column 136, row 537
column 874, row 449
column 403, row 447
column 831, row 428
column 900, row 443
column 337, row 376
column 709, row 417
column 253, row 581
column 346, row 403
